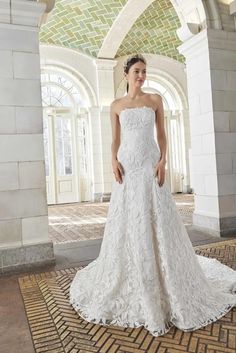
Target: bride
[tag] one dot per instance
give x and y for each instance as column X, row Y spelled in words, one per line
column 147, row 273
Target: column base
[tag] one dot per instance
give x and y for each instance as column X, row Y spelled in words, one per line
column 102, row 197
column 221, row 227
column 26, row 257
column 106, row 197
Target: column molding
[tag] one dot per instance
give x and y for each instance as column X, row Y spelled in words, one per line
column 24, row 12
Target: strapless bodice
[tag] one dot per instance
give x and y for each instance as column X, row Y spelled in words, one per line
column 138, row 147
column 136, row 119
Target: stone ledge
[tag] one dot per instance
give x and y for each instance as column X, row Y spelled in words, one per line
column 26, row 256
column 220, row 227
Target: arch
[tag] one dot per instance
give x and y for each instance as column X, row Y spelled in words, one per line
column 169, row 72
column 167, row 81
column 76, row 92
column 121, row 26
column 192, row 11
column 66, row 114
column 213, row 19
column 78, row 80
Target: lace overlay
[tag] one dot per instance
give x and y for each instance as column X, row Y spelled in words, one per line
column 147, row 273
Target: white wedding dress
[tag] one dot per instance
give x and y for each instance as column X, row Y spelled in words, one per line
column 147, row 273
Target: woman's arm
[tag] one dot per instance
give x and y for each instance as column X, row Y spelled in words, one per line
column 115, row 126
column 161, row 138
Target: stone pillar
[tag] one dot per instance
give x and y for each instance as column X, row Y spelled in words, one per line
column 23, row 207
column 211, row 76
column 105, row 79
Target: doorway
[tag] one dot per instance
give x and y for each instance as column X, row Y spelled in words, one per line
column 66, row 149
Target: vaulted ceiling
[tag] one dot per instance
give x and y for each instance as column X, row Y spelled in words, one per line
column 84, row 24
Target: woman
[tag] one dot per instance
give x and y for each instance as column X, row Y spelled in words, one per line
column 147, row 273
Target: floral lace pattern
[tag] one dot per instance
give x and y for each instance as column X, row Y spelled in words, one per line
column 147, row 273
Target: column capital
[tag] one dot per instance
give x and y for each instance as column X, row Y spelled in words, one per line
column 187, row 31
column 24, row 12
column 105, row 64
column 195, row 44
column 207, row 39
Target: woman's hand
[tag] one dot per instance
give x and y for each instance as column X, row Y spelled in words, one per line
column 118, row 170
column 160, row 172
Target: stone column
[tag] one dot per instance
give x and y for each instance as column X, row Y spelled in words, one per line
column 23, row 207
column 105, row 79
column 211, row 76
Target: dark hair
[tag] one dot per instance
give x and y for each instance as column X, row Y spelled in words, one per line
column 131, row 61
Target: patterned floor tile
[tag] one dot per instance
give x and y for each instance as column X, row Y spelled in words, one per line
column 56, row 327
column 86, row 220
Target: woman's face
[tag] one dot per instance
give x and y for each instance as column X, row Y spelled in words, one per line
column 136, row 75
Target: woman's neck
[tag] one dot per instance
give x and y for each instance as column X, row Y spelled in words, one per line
column 134, row 94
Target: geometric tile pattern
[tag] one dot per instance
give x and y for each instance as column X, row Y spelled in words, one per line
column 83, row 25
column 224, row 252
column 86, row 220
column 80, row 221
column 56, row 327
column 154, row 32
column 80, row 24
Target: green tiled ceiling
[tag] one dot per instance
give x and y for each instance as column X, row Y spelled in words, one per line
column 154, row 32
column 83, row 25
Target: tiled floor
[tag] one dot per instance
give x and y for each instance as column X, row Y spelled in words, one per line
column 56, row 327
column 15, row 336
column 84, row 221
column 60, row 324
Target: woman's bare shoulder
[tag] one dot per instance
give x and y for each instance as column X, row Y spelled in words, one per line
column 155, row 100
column 117, row 105
column 155, row 97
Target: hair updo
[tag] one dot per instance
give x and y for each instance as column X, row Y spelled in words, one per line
column 131, row 61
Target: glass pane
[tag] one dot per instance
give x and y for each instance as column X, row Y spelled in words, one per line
column 157, row 86
column 83, row 148
column 64, row 95
column 174, row 140
column 67, row 144
column 55, row 96
column 66, row 126
column 63, row 146
column 170, row 100
column 68, row 165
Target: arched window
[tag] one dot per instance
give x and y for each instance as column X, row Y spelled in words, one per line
column 169, row 100
column 60, row 91
column 66, row 137
column 174, row 129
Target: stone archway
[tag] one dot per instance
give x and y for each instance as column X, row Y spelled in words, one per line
column 188, row 11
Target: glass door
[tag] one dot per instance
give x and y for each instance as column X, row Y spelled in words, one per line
column 66, row 186
column 60, row 161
